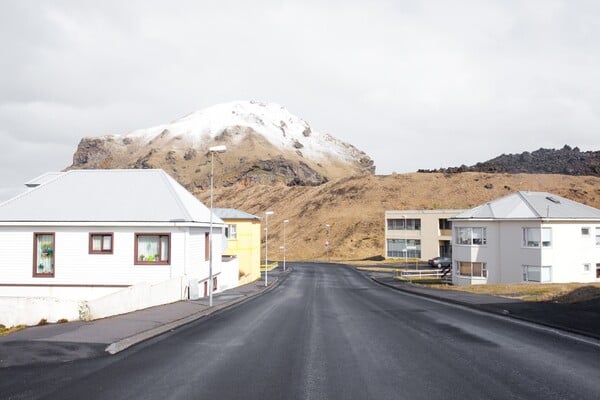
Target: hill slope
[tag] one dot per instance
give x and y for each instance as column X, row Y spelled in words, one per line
column 354, row 207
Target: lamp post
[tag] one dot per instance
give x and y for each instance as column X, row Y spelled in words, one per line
column 405, row 242
column 327, row 226
column 285, row 221
column 212, row 151
column 267, row 213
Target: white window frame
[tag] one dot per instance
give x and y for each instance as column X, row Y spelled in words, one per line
column 535, row 238
column 231, row 231
column 469, row 235
column 531, row 272
column 397, row 248
column 585, row 231
column 597, row 236
column 587, row 267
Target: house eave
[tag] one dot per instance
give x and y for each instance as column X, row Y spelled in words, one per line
column 587, row 220
column 112, row 223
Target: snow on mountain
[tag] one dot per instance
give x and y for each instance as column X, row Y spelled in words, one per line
column 265, row 144
column 273, row 121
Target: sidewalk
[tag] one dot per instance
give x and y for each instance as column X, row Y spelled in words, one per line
column 580, row 318
column 76, row 340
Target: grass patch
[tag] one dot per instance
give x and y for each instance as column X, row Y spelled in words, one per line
column 558, row 292
column 6, row 331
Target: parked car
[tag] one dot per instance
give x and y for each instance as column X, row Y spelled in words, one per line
column 440, row 262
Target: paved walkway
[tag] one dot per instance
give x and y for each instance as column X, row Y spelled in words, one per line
column 76, row 340
column 581, row 318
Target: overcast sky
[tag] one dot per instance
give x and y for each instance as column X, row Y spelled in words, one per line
column 414, row 84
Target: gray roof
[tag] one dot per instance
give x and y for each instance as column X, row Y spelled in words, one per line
column 44, row 178
column 531, row 205
column 116, row 195
column 232, row 213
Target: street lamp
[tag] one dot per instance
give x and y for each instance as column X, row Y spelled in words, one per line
column 212, row 151
column 327, row 226
column 285, row 221
column 405, row 242
column 267, row 213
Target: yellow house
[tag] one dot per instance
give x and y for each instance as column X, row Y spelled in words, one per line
column 243, row 241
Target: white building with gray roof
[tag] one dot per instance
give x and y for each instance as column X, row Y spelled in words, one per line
column 527, row 237
column 84, row 234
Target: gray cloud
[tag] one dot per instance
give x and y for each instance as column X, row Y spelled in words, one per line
column 414, row 84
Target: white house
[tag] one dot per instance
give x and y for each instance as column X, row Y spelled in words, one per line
column 527, row 237
column 82, row 235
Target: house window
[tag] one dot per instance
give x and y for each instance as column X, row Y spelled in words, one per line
column 231, row 232
column 206, row 246
column 598, row 271
column 585, row 231
column 152, row 248
column 587, row 267
column 533, row 273
column 474, row 269
column 404, row 248
column 597, row 236
column 409, row 224
column 43, row 254
column 101, row 243
column 537, row 237
column 471, row 236
column 445, row 224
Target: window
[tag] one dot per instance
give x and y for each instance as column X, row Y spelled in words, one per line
column 587, row 267
column 474, row 269
column 43, row 254
column 231, row 232
column 471, row 236
column 152, row 248
column 597, row 236
column 533, row 273
column 537, row 237
column 597, row 271
column 404, row 248
column 399, row 224
column 585, row 231
column 445, row 224
column 101, row 243
column 206, row 246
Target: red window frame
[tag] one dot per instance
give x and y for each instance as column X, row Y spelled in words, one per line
column 136, row 259
column 102, row 251
column 37, row 274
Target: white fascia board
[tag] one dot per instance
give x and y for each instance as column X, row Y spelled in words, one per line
column 108, row 223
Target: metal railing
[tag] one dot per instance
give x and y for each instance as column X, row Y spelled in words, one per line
column 444, row 274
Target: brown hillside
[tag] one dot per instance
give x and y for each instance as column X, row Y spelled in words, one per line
column 354, row 207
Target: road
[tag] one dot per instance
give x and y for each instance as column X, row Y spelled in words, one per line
column 328, row 332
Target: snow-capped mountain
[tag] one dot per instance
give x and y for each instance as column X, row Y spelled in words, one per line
column 265, row 143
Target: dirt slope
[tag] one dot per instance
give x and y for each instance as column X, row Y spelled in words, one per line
column 354, row 207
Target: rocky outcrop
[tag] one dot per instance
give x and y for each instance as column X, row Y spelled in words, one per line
column 566, row 161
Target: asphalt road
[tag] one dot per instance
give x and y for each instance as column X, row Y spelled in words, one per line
column 327, row 332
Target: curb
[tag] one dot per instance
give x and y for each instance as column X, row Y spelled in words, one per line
column 489, row 310
column 127, row 342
